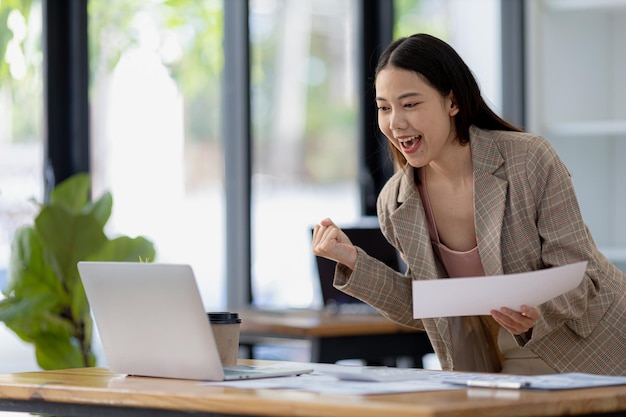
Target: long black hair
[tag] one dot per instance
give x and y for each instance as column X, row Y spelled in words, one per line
column 446, row 71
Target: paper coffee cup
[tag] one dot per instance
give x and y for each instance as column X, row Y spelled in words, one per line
column 225, row 327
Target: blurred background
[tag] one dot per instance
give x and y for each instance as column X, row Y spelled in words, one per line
column 159, row 136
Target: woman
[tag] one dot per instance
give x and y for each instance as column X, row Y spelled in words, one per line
column 473, row 196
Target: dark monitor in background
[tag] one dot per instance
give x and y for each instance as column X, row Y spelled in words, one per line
column 367, row 235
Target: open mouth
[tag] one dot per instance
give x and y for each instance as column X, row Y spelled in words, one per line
column 410, row 143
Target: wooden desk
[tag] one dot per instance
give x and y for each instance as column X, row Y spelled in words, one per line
column 98, row 392
column 333, row 337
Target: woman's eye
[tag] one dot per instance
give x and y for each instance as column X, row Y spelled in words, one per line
column 410, row 105
column 382, row 108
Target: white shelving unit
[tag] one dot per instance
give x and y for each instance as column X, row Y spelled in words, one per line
column 576, row 86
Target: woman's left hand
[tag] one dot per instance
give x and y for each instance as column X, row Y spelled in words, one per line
column 516, row 322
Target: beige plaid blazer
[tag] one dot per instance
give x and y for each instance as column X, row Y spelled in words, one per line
column 527, row 217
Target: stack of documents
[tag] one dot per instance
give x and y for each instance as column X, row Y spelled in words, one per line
column 359, row 380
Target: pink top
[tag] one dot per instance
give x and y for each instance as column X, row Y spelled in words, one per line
column 457, row 264
column 474, row 347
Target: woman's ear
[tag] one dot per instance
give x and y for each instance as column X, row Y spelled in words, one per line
column 451, row 104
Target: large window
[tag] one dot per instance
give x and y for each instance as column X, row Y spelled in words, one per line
column 305, row 137
column 21, row 145
column 305, row 141
column 155, row 116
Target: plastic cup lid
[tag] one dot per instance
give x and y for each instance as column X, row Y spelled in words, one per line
column 223, row 318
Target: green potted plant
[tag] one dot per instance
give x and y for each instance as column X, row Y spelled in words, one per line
column 45, row 303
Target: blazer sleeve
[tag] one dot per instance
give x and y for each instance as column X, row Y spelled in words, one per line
column 380, row 286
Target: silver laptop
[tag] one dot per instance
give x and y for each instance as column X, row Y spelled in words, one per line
column 152, row 322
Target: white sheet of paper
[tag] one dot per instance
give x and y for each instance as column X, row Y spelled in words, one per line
column 475, row 296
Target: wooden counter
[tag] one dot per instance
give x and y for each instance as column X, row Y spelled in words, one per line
column 97, row 392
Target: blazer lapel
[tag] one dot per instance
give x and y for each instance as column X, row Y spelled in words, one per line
column 490, row 193
column 414, row 240
column 412, row 231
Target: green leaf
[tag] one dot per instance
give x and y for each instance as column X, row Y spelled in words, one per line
column 88, row 330
column 30, row 271
column 126, row 249
column 80, row 306
column 13, row 310
column 73, row 193
column 69, row 237
column 58, row 352
column 28, row 318
column 101, row 209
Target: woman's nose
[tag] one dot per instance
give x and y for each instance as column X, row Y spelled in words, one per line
column 397, row 120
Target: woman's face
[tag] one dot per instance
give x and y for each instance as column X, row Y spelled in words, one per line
column 414, row 116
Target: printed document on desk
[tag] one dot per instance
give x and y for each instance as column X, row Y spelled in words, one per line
column 324, row 380
column 474, row 296
column 537, row 382
column 333, row 378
